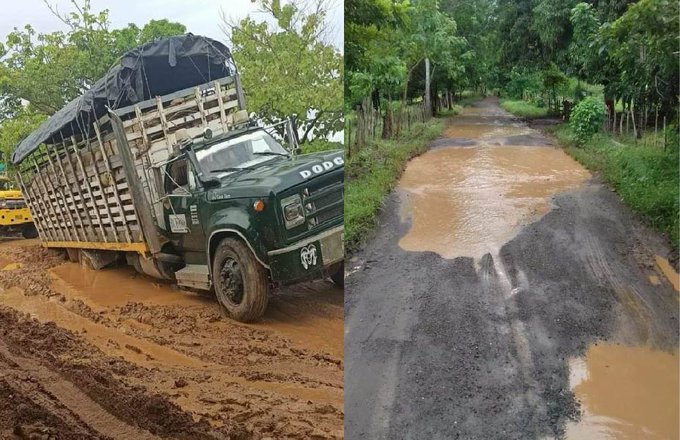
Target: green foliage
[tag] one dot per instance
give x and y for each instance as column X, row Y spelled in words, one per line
column 524, row 109
column 633, row 56
column 287, row 69
column 387, row 43
column 320, row 145
column 587, row 118
column 582, row 51
column 646, row 178
column 48, row 70
column 372, row 173
column 12, row 131
column 550, row 22
column 672, row 137
column 523, row 83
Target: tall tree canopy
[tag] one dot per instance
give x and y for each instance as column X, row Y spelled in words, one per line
column 39, row 73
column 288, row 69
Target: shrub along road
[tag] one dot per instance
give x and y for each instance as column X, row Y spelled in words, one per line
column 475, row 309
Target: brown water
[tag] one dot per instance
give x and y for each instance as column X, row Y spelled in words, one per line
column 116, row 287
column 626, row 393
column 291, row 314
column 111, row 341
column 467, row 201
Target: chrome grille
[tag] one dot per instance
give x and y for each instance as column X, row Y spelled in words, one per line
column 323, row 204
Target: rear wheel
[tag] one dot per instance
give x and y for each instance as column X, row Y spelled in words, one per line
column 29, row 231
column 240, row 281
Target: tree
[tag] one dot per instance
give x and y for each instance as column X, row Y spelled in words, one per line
column 287, row 69
column 12, row 131
column 49, row 70
column 40, row 73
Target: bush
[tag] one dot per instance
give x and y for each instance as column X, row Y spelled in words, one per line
column 586, row 118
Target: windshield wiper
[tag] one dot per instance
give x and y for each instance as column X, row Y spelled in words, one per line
column 270, row 153
column 231, row 169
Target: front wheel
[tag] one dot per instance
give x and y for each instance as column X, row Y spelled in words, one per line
column 241, row 283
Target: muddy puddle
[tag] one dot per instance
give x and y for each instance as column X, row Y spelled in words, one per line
column 485, row 131
column 290, row 312
column 626, row 393
column 470, row 201
column 118, row 286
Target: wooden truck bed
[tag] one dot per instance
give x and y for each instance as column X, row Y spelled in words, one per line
column 77, row 188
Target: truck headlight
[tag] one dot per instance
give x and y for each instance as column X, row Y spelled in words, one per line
column 293, row 213
column 3, row 203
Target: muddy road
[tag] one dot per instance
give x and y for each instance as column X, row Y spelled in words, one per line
column 508, row 294
column 112, row 354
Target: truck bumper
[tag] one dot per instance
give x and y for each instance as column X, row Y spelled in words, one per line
column 15, row 217
column 309, row 258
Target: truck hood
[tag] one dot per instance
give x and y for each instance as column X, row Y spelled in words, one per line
column 277, row 175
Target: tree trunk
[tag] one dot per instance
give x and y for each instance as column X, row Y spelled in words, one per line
column 388, row 120
column 632, row 116
column 656, row 123
column 428, row 99
column 402, row 106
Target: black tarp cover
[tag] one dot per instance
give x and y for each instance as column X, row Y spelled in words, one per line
column 154, row 69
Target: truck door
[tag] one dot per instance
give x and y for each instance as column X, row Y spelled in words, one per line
column 182, row 210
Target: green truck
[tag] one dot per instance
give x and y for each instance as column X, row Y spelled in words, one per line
column 159, row 165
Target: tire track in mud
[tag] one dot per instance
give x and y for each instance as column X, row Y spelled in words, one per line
column 74, row 388
column 251, row 381
column 58, row 389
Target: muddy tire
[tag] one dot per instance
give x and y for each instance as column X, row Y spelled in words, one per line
column 241, row 283
column 29, row 231
column 338, row 275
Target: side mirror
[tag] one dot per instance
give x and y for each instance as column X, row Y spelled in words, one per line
column 207, row 133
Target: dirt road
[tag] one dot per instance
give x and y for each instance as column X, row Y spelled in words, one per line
column 112, row 354
column 508, row 294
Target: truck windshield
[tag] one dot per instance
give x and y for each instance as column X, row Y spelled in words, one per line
column 242, row 152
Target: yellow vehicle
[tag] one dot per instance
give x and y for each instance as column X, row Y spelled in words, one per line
column 15, row 217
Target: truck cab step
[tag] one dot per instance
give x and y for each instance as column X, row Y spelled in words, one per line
column 196, row 276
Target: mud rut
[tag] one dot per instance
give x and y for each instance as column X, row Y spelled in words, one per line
column 112, row 354
column 507, row 294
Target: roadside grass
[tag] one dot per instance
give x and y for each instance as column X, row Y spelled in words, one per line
column 469, row 98
column 372, row 172
column 524, row 109
column 646, row 177
column 453, row 111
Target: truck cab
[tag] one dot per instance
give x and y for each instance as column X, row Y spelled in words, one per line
column 245, row 214
column 15, row 217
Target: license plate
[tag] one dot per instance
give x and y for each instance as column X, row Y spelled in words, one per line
column 332, row 248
